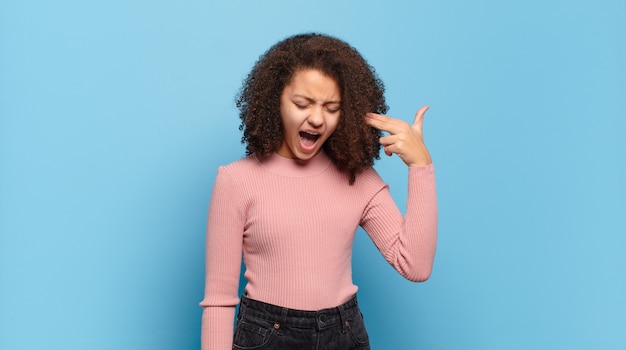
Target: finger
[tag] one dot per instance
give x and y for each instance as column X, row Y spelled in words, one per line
column 389, row 144
column 386, row 140
column 419, row 117
column 384, row 123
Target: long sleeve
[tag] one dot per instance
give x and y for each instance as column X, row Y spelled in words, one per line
column 408, row 243
column 223, row 263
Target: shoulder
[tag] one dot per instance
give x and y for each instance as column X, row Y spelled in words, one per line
column 239, row 167
column 369, row 180
column 235, row 179
column 236, row 173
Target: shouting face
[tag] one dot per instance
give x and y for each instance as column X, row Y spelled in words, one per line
column 310, row 107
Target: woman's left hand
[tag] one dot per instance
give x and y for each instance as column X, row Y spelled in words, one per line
column 407, row 141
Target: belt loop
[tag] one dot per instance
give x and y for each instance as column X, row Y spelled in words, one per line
column 343, row 318
column 243, row 304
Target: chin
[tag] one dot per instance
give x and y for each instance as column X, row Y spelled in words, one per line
column 307, row 156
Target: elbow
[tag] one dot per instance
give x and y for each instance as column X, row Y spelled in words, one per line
column 421, row 276
column 416, row 270
column 418, row 274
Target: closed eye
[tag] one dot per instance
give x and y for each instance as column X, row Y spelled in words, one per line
column 333, row 108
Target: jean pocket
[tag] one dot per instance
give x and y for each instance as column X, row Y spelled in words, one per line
column 252, row 333
column 356, row 328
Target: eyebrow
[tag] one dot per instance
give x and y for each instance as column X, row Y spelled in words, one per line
column 313, row 100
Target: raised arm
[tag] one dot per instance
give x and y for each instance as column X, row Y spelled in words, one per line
column 408, row 243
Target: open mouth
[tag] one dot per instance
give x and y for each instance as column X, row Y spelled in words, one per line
column 308, row 138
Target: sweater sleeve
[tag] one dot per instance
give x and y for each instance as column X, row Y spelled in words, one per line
column 408, row 243
column 224, row 242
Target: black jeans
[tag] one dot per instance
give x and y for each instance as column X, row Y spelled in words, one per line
column 266, row 326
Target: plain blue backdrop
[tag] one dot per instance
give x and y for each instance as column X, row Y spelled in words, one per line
column 114, row 116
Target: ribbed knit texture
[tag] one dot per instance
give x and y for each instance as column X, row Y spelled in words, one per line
column 295, row 223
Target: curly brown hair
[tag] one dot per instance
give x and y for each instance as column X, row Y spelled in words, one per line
column 354, row 145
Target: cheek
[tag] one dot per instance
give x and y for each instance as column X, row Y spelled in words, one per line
column 334, row 121
column 286, row 118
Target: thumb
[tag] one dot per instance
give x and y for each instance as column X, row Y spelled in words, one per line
column 419, row 117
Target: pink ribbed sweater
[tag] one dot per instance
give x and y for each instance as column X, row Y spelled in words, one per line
column 295, row 223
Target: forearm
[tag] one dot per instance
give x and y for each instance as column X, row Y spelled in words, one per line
column 419, row 234
column 217, row 328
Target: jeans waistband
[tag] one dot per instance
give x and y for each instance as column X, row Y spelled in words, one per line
column 299, row 318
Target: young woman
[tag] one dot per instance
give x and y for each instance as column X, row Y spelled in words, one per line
column 311, row 114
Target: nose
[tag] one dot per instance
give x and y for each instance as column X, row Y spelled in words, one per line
column 316, row 118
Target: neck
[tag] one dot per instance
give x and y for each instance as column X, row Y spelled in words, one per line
column 296, row 167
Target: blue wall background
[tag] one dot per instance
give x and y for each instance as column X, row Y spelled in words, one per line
column 114, row 116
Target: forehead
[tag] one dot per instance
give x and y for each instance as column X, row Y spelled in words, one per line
column 313, row 83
